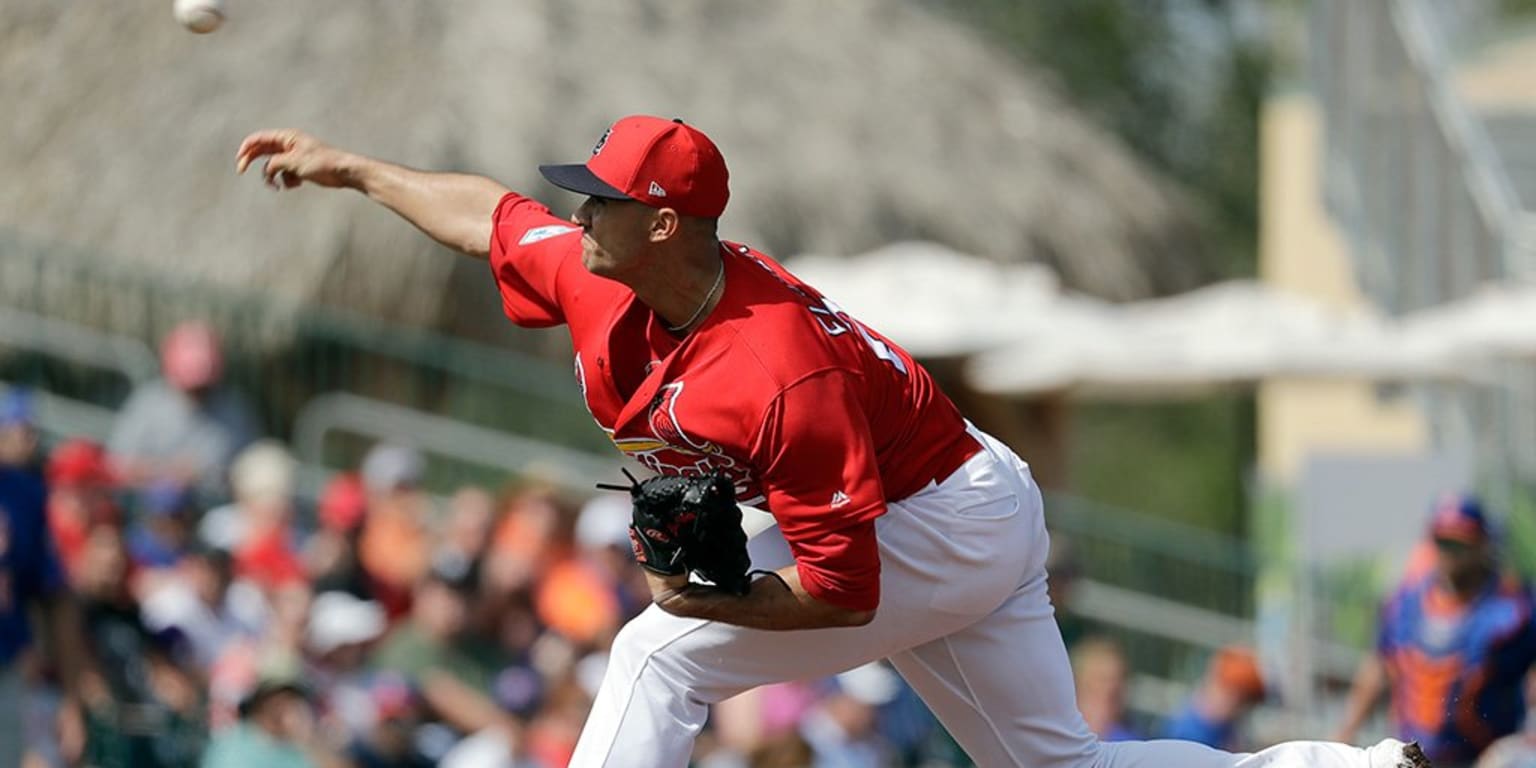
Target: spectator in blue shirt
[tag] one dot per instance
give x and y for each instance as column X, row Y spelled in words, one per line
column 30, row 575
column 1233, row 686
column 1102, row 674
column 162, row 534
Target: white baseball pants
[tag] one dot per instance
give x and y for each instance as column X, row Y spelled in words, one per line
column 963, row 616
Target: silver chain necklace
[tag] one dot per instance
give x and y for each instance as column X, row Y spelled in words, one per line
column 719, row 278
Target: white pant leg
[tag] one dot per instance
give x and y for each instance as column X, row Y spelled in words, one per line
column 1003, row 687
column 664, row 672
column 949, row 555
column 1293, row 754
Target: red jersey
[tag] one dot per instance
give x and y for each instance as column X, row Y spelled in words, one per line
column 815, row 417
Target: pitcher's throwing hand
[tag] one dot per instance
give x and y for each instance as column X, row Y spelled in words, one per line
column 293, row 157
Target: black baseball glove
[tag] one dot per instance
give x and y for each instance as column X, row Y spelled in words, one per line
column 692, row 523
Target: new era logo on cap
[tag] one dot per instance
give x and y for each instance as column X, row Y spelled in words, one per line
column 662, row 163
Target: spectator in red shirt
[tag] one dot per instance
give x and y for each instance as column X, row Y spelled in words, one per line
column 81, row 482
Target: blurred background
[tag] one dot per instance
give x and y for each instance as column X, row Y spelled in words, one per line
column 1248, row 283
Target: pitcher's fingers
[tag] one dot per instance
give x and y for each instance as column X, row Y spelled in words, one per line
column 281, row 137
column 275, row 165
column 261, row 143
column 249, row 152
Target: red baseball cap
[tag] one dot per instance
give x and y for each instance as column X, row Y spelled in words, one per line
column 343, row 503
column 662, row 163
column 81, row 462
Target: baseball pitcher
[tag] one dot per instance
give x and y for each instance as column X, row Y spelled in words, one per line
column 911, row 535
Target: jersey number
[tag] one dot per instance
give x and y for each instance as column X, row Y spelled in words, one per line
column 836, row 322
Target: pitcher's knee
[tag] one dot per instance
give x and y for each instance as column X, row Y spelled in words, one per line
column 651, row 639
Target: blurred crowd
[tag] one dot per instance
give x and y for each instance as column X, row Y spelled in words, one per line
column 220, row 618
column 174, row 601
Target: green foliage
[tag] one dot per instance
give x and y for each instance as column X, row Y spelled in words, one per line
column 1348, row 596
column 1520, row 532
column 1181, row 82
column 1179, row 460
column 1518, row 9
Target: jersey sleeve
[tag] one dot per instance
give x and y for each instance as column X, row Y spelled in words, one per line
column 822, row 484
column 532, row 254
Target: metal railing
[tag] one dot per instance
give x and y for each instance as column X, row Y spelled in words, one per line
column 130, row 358
column 1172, row 595
column 1169, row 593
column 1192, row 565
column 62, row 417
column 496, row 455
column 322, row 350
column 71, row 359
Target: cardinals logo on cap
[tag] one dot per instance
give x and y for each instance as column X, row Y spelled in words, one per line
column 602, row 141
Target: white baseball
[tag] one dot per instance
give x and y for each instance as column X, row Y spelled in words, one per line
column 200, row 16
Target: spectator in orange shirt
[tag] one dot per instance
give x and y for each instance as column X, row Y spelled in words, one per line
column 395, row 547
column 529, row 539
column 583, row 597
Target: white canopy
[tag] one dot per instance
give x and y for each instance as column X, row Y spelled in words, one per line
column 1023, row 335
column 1233, row 333
column 933, row 301
column 1498, row 320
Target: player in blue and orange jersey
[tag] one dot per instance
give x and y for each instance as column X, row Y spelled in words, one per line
column 1455, row 644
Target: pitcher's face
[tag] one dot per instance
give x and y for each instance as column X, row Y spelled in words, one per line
column 614, row 235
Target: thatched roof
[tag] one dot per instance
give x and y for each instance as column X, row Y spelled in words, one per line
column 846, row 125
